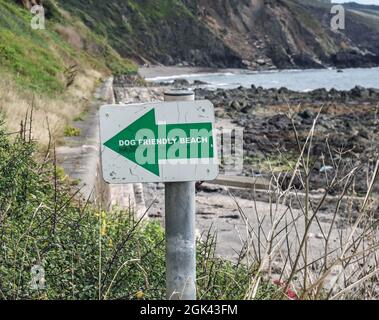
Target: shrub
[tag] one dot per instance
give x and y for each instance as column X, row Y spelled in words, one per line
column 70, row 131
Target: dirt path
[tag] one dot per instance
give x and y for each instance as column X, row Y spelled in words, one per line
column 79, row 155
column 80, row 158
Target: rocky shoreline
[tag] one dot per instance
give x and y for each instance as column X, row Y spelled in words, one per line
column 242, row 98
column 346, row 133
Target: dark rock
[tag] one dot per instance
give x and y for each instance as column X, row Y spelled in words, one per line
column 235, row 105
column 307, row 62
column 353, row 59
column 306, row 114
column 364, row 133
column 199, row 83
column 181, row 83
column 283, row 90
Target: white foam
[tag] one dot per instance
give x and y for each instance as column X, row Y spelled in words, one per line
column 191, row 75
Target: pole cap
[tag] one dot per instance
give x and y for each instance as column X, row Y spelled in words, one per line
column 179, row 95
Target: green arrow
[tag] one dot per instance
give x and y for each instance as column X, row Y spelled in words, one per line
column 145, row 143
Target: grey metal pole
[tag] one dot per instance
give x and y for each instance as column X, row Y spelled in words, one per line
column 180, row 229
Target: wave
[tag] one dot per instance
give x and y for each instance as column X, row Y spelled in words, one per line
column 189, row 75
column 298, row 80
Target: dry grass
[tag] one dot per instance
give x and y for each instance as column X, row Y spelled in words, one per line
column 70, row 35
column 342, row 261
column 49, row 113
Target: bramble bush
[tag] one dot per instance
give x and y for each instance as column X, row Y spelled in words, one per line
column 87, row 253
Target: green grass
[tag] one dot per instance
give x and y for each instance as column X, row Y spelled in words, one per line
column 280, row 163
column 37, row 59
column 131, row 26
column 32, row 66
column 25, row 52
column 79, row 117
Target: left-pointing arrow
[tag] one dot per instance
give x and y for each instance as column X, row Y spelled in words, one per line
column 128, row 150
column 145, row 143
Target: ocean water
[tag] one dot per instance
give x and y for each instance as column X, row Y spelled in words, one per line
column 298, row 80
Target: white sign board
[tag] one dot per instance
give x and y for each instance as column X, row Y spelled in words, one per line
column 158, row 142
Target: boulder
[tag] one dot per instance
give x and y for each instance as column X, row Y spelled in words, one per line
column 360, row 92
column 181, row 83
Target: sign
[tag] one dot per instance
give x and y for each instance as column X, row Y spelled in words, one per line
column 158, row 142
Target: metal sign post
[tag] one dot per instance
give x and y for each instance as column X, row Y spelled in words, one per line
column 172, row 142
column 180, row 230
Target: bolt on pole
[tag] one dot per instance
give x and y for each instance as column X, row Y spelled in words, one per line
column 180, row 229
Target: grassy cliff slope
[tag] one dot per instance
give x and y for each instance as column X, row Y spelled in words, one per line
column 163, row 31
column 57, row 68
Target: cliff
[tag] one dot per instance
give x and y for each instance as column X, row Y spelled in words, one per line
column 292, row 34
column 258, row 34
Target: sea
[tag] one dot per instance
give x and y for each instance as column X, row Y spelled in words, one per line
column 297, row 80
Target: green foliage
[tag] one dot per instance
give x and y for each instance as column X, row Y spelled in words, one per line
column 70, row 131
column 131, row 26
column 24, row 51
column 80, row 248
column 278, row 163
column 118, row 65
column 60, row 174
column 86, row 253
column 80, row 117
column 220, row 279
column 38, row 58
